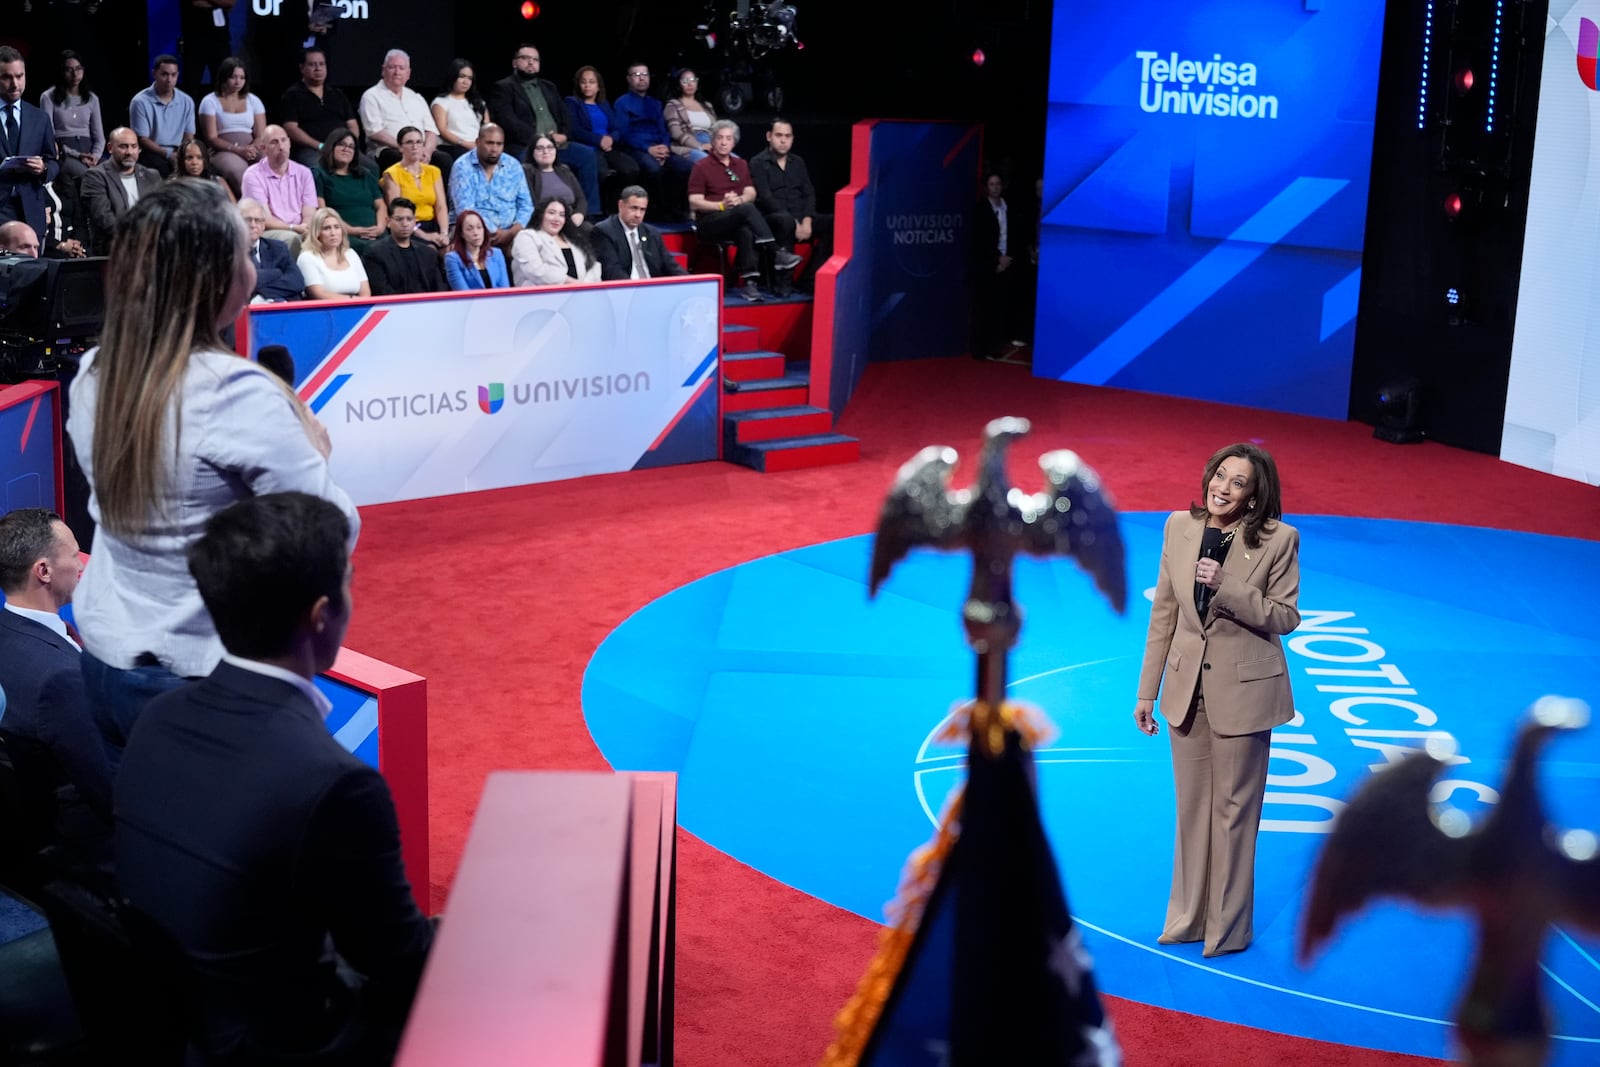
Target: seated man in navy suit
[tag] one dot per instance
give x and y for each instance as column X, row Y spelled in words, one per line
column 47, row 719
column 630, row 248
column 277, row 276
column 268, row 853
column 28, row 137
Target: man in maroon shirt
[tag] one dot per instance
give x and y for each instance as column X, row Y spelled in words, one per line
column 723, row 199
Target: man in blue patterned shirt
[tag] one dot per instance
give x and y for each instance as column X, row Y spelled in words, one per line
column 479, row 182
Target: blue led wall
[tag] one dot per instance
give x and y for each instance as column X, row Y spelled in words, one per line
column 1205, row 194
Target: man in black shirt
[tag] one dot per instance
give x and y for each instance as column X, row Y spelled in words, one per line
column 396, row 264
column 312, row 109
column 785, row 195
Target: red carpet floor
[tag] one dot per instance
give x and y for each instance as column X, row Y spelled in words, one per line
column 499, row 599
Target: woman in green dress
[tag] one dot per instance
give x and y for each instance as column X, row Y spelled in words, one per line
column 348, row 184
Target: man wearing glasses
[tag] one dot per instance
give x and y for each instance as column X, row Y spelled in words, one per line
column 642, row 128
column 277, row 277
column 527, row 106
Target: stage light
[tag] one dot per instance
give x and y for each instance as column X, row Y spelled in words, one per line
column 1452, row 297
column 978, row 57
column 1397, row 413
column 1422, row 92
column 530, row 10
column 1463, row 81
column 1452, row 206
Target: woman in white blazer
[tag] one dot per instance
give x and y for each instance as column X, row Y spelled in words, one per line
column 552, row 252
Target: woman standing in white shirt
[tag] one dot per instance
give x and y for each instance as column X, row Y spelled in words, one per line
column 332, row 269
column 233, row 123
column 170, row 427
column 553, row 252
column 459, row 111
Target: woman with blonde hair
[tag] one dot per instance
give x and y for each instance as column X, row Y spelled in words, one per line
column 169, row 428
column 331, row 268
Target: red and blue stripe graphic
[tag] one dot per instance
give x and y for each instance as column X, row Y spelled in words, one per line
column 324, row 382
column 1588, row 48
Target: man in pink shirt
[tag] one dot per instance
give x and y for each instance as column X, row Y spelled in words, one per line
column 285, row 188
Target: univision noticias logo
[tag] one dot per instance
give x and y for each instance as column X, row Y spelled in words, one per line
column 491, row 397
column 1588, row 47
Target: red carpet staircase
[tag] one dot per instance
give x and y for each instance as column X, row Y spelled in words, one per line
column 767, row 423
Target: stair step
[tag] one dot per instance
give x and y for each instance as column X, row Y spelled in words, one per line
column 788, row 380
column 796, row 453
column 772, row 424
column 737, row 338
column 788, row 394
column 752, row 366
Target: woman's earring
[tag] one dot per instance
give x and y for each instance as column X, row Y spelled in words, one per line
column 1252, row 506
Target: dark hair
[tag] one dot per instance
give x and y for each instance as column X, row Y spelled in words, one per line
column 474, row 98
column 631, row 191
column 400, row 138
column 205, row 154
column 316, row 49
column 401, row 202
column 27, row 535
column 58, row 95
column 568, row 230
column 336, row 137
column 9, row 54
column 773, row 125
column 162, row 60
column 577, row 94
column 225, row 71
column 458, row 244
column 677, row 82
column 1266, row 505
column 261, row 564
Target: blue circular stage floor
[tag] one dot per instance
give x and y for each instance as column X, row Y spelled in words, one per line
column 800, row 716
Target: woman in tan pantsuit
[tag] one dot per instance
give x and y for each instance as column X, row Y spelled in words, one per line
column 1228, row 587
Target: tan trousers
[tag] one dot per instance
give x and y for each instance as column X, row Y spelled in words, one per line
column 1221, row 782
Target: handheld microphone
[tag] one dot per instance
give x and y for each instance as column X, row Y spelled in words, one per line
column 1203, row 592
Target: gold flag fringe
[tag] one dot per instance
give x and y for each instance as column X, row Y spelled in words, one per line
column 987, row 726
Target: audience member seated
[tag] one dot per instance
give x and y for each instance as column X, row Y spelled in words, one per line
column 643, row 131
column 397, row 263
column 591, row 121
column 549, row 180
column 245, row 832
column 422, row 183
column 348, row 182
column 74, row 111
column 626, row 247
column 459, row 111
column 169, row 427
column 484, row 181
column 723, row 199
column 46, row 707
column 526, row 105
column 284, row 188
column 277, row 277
column 162, row 115
column 389, row 107
column 18, row 239
column 553, row 252
column 233, row 122
column 788, row 200
column 30, row 147
column 65, row 235
column 312, row 110
column 195, row 162
column 332, row 270
column 472, row 262
column 109, row 191
column 689, row 118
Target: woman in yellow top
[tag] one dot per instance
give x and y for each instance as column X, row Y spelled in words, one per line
column 420, row 182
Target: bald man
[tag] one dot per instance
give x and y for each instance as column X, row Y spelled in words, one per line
column 18, row 238
column 110, row 189
column 282, row 186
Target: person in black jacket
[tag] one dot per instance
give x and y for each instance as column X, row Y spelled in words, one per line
column 785, row 195
column 615, row 238
column 267, row 854
column 991, row 271
column 278, row 278
column 526, row 105
column 396, row 264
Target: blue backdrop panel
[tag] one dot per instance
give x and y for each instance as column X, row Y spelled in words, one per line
column 801, row 716
column 28, row 472
column 1205, row 196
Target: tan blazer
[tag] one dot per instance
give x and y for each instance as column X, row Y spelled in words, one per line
column 1236, row 657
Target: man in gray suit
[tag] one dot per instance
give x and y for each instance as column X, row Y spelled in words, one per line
column 113, row 187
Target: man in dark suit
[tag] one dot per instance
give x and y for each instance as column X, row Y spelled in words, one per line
column 29, row 138
column 627, row 246
column 991, row 272
column 104, row 192
column 396, row 264
column 277, row 276
column 46, row 719
column 526, row 105
column 264, row 850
